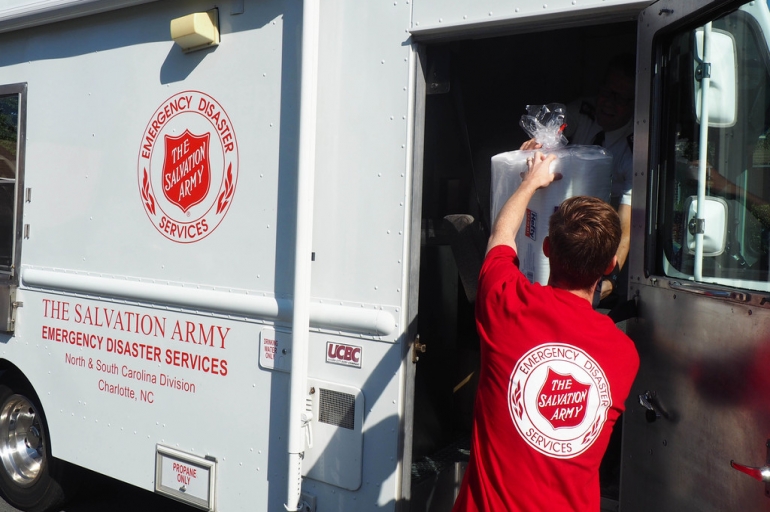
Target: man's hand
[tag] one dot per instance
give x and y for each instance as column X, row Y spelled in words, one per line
column 714, row 179
column 537, row 175
column 538, row 172
column 719, row 183
column 606, row 288
column 530, row 144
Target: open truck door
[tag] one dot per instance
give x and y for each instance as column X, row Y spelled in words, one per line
column 697, row 428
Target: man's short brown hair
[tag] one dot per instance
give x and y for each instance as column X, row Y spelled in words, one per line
column 584, row 234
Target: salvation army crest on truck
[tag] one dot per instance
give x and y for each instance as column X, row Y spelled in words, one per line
column 188, row 166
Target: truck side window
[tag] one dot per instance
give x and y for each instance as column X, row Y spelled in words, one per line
column 9, row 135
column 12, row 102
column 730, row 161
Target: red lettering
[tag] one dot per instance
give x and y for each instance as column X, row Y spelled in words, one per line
column 190, row 332
column 343, row 352
column 206, row 364
column 183, row 231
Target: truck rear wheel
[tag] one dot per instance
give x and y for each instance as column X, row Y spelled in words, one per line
column 27, row 469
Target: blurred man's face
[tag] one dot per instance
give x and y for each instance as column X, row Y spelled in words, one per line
column 615, row 101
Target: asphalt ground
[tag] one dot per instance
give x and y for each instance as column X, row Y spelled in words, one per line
column 101, row 494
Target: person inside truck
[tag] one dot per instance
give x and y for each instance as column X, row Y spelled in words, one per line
column 554, row 373
column 607, row 121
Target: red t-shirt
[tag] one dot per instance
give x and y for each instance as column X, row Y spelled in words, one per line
column 554, row 376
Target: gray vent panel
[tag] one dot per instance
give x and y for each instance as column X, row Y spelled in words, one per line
column 337, row 408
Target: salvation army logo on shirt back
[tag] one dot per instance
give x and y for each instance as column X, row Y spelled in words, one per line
column 558, row 397
column 562, row 400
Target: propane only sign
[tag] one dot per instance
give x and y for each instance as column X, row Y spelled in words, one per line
column 185, row 477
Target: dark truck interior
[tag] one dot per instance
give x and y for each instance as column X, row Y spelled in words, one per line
column 477, row 90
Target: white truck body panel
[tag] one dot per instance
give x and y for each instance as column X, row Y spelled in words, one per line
column 92, row 245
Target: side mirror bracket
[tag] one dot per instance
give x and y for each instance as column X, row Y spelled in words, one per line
column 712, row 226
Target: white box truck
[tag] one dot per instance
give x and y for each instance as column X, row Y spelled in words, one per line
column 239, row 243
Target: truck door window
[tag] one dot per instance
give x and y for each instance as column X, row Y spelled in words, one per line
column 12, row 133
column 736, row 150
column 9, row 140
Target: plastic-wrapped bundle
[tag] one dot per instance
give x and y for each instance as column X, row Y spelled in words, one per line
column 586, row 171
column 545, row 124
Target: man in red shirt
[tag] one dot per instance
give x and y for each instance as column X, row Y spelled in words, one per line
column 554, row 372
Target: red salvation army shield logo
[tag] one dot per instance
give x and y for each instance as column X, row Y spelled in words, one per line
column 188, row 166
column 186, row 169
column 562, row 400
column 558, row 398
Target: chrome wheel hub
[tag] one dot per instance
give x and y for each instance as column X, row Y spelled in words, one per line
column 22, row 447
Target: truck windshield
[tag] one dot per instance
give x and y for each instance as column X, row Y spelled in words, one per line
column 724, row 151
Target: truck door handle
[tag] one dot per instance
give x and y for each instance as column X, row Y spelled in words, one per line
column 761, row 474
column 649, row 401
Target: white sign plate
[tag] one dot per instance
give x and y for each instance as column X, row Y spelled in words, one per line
column 185, row 477
column 346, row 355
column 274, row 353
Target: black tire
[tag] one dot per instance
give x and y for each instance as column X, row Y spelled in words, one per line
column 30, row 479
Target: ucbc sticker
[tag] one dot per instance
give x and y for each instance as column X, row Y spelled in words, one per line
column 188, row 166
column 558, row 397
column 530, row 226
column 348, row 355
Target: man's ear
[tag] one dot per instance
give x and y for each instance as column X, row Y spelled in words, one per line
column 547, row 248
column 611, row 266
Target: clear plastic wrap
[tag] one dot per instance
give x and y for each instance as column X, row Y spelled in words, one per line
column 545, row 124
column 586, row 170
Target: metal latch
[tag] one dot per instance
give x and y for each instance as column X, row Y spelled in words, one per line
column 417, row 347
column 703, row 70
column 696, row 226
column 762, row 473
column 649, row 400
